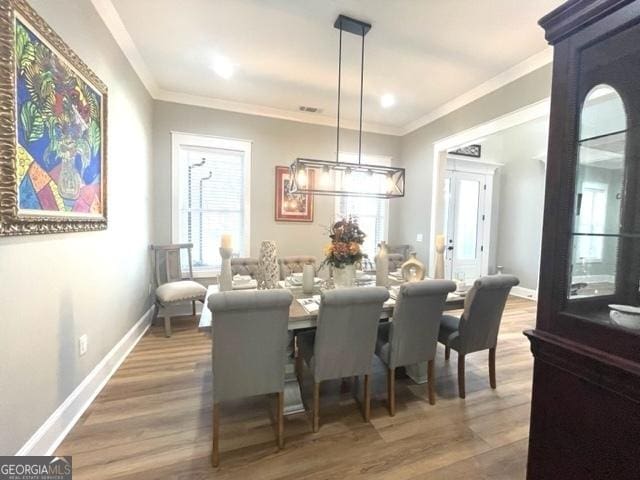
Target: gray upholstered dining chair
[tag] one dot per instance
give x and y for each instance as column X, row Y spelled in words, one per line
column 344, row 341
column 173, row 284
column 244, row 266
column 477, row 328
column 295, row 264
column 395, row 261
column 249, row 351
column 412, row 336
column 403, row 249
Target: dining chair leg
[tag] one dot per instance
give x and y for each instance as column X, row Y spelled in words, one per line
column 431, row 380
column 391, row 390
column 280, row 416
column 316, row 406
column 367, row 398
column 447, row 353
column 167, row 325
column 156, row 311
column 345, row 384
column 492, row 367
column 461, row 390
column 215, row 453
column 298, row 365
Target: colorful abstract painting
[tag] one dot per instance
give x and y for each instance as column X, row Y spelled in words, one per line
column 59, row 149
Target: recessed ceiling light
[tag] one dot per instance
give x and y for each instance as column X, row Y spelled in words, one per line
column 387, row 100
column 223, row 67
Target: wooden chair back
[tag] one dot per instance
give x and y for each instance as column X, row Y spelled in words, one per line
column 167, row 262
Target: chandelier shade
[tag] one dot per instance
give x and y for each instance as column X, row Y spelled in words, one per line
column 346, row 179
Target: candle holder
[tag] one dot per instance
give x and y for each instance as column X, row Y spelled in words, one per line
column 308, row 278
column 382, row 265
column 439, row 272
column 225, row 279
column 413, row 269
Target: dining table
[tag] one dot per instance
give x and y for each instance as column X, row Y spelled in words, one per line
column 305, row 318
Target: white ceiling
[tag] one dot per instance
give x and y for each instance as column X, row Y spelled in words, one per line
column 426, row 53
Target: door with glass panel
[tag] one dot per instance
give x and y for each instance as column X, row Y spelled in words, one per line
column 464, row 201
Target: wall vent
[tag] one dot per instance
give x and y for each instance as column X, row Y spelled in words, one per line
column 304, row 108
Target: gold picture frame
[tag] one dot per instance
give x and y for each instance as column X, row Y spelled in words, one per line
column 53, row 131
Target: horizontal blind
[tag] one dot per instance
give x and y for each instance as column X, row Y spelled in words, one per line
column 211, row 202
column 370, row 212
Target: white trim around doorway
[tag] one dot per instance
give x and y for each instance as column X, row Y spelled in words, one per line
column 441, row 147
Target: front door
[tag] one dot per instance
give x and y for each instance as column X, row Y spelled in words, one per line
column 464, row 203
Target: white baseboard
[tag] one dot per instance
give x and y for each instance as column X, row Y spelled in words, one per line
column 524, row 293
column 49, row 436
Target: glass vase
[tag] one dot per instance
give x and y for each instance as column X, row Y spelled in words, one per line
column 344, row 277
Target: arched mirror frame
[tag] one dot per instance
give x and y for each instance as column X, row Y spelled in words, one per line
column 627, row 262
column 597, row 191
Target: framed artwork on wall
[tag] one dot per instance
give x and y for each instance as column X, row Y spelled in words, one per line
column 53, row 136
column 292, row 207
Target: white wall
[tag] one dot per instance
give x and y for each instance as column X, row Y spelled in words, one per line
column 518, row 198
column 58, row 287
column 275, row 142
column 411, row 215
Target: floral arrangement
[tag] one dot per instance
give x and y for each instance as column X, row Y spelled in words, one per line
column 346, row 240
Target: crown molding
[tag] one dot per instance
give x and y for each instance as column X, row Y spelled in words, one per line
column 115, row 25
column 523, row 68
column 112, row 20
column 264, row 111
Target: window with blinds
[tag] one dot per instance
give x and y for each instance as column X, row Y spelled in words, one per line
column 372, row 213
column 212, row 197
column 592, row 219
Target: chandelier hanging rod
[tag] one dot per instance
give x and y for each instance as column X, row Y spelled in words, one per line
column 357, row 27
column 339, row 178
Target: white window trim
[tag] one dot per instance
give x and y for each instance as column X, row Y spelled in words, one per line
column 383, row 160
column 181, row 139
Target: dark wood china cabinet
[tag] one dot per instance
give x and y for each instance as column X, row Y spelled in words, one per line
column 585, row 418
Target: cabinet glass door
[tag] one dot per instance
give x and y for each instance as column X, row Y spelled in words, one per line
column 599, row 191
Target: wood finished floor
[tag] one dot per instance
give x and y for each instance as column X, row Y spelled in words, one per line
column 153, row 420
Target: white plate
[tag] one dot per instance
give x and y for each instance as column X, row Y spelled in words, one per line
column 626, row 309
column 244, row 285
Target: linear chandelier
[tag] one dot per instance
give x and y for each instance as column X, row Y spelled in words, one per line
column 322, row 177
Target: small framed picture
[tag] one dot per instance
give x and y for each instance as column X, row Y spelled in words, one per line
column 292, row 207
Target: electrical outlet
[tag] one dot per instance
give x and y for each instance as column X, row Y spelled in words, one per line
column 83, row 344
column 419, row 237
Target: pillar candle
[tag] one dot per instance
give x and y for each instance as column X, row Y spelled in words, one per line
column 225, row 240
